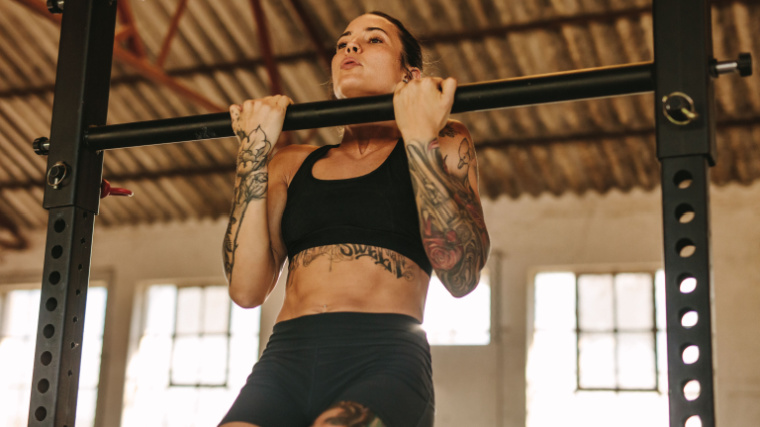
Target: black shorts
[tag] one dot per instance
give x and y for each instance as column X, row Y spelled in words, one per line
column 381, row 361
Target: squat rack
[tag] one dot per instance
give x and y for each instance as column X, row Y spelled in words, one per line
column 681, row 77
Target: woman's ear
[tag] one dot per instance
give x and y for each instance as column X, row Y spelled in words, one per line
column 414, row 73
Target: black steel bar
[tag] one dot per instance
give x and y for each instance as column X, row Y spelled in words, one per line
column 71, row 196
column 686, row 147
column 581, row 84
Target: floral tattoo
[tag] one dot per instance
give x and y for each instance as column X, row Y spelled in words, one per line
column 250, row 184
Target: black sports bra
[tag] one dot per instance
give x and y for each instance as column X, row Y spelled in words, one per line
column 377, row 209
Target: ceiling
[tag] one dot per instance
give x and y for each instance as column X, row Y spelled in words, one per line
column 177, row 58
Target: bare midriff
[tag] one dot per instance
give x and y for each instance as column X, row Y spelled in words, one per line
column 325, row 283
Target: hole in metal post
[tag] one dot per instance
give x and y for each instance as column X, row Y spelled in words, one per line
column 48, row 331
column 40, row 413
column 692, row 390
column 75, row 319
column 685, row 213
column 693, row 421
column 51, row 304
column 687, row 283
column 43, row 385
column 54, row 278
column 59, row 225
column 57, row 251
column 690, row 354
column 689, row 318
column 685, row 248
column 683, row 179
column 46, row 358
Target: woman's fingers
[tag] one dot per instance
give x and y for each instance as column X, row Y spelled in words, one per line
column 448, row 89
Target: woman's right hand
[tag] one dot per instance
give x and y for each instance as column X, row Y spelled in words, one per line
column 257, row 125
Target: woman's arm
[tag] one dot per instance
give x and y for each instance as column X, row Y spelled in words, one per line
column 443, row 167
column 252, row 250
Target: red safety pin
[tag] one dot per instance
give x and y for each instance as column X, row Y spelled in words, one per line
column 107, row 190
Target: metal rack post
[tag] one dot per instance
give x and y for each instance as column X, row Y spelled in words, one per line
column 686, row 148
column 72, row 198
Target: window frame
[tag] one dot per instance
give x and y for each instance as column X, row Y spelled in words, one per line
column 615, row 331
column 97, row 278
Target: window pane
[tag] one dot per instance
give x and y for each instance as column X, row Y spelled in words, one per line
column 160, row 304
column 20, row 313
column 634, row 301
column 636, row 360
column 659, row 286
column 551, row 363
column 189, row 310
column 596, row 360
column 213, row 360
column 595, row 302
column 185, row 361
column 151, row 363
column 216, row 314
column 554, row 302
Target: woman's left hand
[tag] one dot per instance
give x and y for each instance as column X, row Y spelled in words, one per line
column 422, row 107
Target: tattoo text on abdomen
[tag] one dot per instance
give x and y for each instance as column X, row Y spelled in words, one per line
column 391, row 261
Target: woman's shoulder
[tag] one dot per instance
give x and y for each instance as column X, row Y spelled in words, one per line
column 292, row 153
column 287, row 160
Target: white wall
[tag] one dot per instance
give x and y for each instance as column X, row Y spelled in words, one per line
column 481, row 386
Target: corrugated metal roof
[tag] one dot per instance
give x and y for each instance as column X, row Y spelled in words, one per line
column 595, row 145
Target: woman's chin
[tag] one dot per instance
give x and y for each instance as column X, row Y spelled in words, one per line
column 352, row 91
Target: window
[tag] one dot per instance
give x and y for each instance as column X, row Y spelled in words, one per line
column 195, row 351
column 458, row 321
column 19, row 311
column 598, row 347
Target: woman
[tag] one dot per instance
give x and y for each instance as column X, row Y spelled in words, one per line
column 362, row 224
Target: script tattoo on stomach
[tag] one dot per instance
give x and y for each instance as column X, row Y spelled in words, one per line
column 389, row 260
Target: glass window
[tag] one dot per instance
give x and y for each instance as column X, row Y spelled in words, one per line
column 195, row 351
column 458, row 321
column 597, row 347
column 19, row 311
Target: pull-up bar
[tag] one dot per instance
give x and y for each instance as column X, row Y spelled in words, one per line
column 580, row 84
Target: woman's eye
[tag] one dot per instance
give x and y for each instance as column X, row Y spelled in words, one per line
column 375, row 40
column 341, row 46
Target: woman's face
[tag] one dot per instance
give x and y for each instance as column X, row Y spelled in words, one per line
column 367, row 59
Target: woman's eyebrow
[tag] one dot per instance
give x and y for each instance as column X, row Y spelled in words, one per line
column 348, row 33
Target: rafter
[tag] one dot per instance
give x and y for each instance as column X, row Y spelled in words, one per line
column 127, row 19
column 173, row 26
column 323, row 55
column 265, row 45
column 134, row 60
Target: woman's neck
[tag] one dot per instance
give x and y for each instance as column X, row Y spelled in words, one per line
column 369, row 137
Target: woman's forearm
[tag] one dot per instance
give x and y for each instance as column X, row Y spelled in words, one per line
column 248, row 260
column 451, row 219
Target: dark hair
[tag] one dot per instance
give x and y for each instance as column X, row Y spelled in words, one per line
column 411, row 52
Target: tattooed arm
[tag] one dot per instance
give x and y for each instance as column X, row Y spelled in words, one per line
column 252, row 250
column 444, row 175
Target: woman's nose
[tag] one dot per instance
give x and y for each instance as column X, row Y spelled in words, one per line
column 352, row 47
